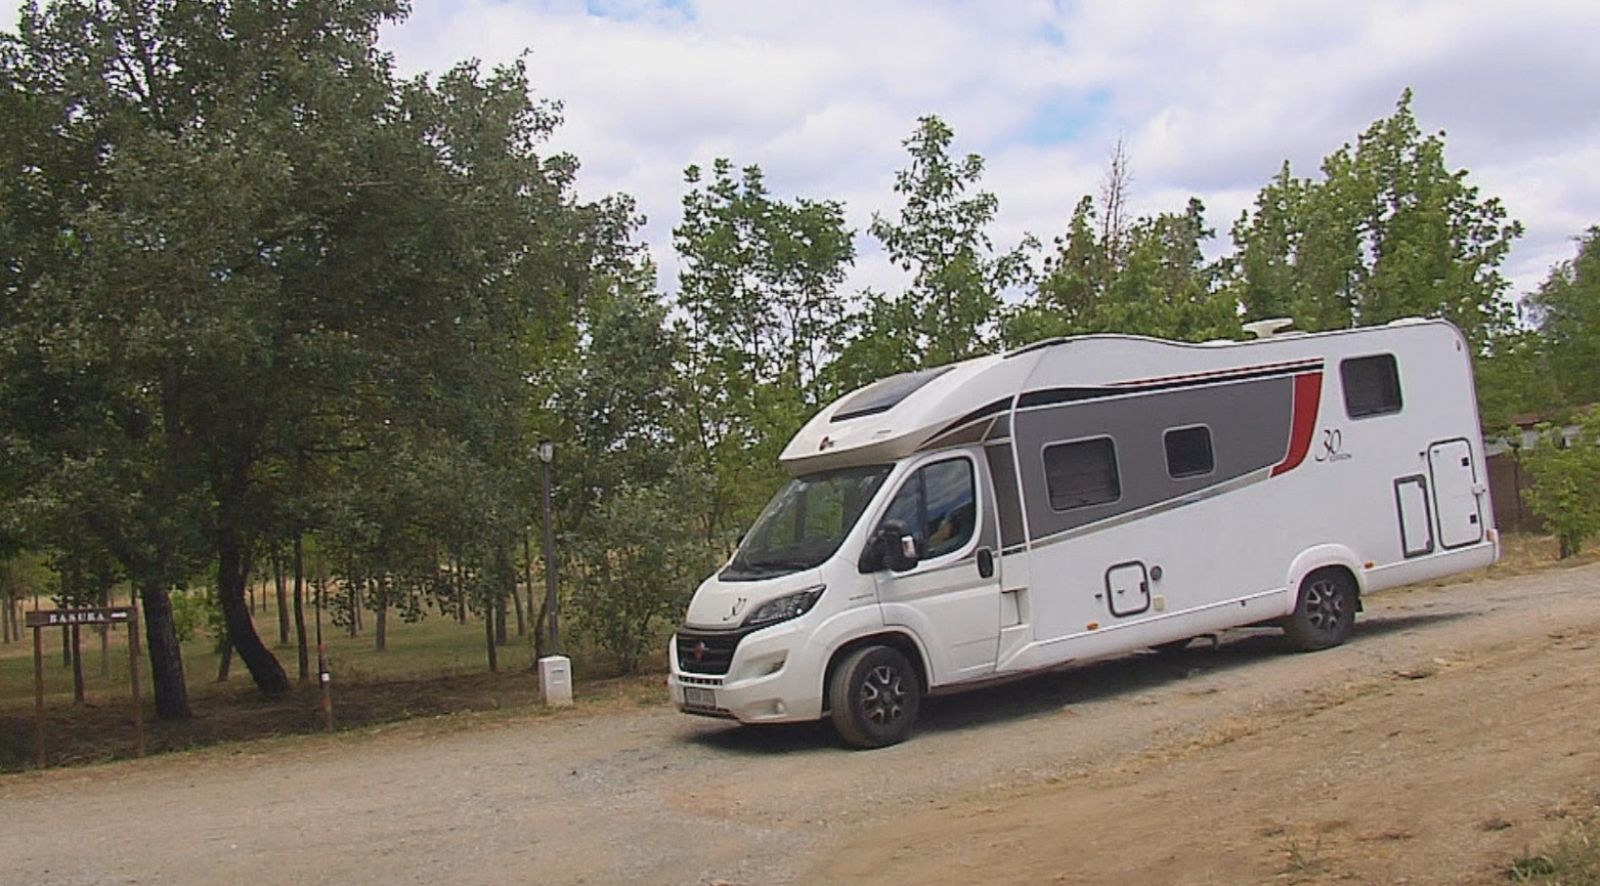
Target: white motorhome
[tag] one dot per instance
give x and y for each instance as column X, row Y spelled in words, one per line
column 1082, row 497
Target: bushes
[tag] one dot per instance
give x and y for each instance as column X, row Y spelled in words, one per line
column 1566, row 482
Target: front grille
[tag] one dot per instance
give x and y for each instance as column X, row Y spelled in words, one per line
column 707, row 652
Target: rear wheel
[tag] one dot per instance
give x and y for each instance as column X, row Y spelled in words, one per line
column 1325, row 613
column 875, row 695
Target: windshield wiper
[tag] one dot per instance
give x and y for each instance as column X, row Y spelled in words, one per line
column 782, row 565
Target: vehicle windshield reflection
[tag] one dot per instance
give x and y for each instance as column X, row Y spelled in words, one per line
column 805, row 523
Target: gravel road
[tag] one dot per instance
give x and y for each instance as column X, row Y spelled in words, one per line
column 648, row 795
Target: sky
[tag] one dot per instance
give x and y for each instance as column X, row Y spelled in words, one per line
column 1208, row 98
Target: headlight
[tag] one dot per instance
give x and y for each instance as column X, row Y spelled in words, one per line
column 785, row 607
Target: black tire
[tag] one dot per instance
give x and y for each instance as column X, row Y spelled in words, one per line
column 1325, row 612
column 874, row 694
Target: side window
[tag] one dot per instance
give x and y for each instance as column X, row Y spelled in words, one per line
column 1371, row 385
column 1189, row 452
column 952, row 510
column 938, row 505
column 1082, row 473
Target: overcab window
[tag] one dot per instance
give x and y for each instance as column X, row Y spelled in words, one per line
column 1082, row 473
column 1371, row 385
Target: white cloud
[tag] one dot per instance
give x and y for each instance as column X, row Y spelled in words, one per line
column 1211, row 98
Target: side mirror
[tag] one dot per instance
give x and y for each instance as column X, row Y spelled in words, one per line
column 891, row 547
column 899, row 546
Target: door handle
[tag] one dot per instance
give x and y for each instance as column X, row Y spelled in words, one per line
column 985, row 563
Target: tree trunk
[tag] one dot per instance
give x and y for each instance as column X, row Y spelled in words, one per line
column 226, row 663
column 233, row 572
column 166, row 656
column 282, row 584
column 500, row 614
column 516, row 598
column 300, row 607
column 382, row 626
column 353, row 592
column 488, row 638
column 461, row 591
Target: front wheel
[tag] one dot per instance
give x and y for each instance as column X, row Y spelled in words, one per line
column 1325, row 612
column 875, row 695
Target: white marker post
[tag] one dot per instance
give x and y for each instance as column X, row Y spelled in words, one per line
column 555, row 680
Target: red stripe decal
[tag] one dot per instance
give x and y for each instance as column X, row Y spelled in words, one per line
column 1307, row 394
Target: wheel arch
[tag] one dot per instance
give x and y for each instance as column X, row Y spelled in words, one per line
column 902, row 641
column 1329, row 556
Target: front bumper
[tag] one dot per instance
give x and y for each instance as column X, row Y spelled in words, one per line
column 774, row 676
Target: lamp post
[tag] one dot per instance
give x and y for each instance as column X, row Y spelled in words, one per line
column 555, row 669
column 547, row 453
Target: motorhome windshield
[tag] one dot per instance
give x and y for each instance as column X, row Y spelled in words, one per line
column 805, row 523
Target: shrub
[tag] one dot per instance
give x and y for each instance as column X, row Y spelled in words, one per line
column 1565, row 490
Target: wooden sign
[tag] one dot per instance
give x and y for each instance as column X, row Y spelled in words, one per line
column 115, row 615
column 71, row 618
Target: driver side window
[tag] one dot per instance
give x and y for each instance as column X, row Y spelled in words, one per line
column 938, row 505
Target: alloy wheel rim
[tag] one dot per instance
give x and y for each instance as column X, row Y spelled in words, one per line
column 1324, row 605
column 883, row 695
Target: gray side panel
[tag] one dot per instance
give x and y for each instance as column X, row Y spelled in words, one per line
column 1249, row 421
column 1009, row 501
column 1001, row 428
column 971, row 433
column 989, row 531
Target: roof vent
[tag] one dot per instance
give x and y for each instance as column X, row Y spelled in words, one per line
column 1268, row 328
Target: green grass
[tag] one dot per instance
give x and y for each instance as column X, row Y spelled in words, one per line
column 1570, row 859
column 431, row 668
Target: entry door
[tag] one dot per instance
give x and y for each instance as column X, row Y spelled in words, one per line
column 1456, row 494
column 952, row 597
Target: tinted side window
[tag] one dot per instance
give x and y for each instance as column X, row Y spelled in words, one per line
column 1371, row 385
column 1082, row 473
column 938, row 505
column 1189, row 452
column 951, row 509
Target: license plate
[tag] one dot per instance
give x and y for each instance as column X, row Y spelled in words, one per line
column 701, row 699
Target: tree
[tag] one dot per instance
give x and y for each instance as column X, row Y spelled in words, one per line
column 249, row 250
column 951, row 309
column 1148, row 278
column 1565, row 491
column 1566, row 312
column 632, row 474
column 759, row 295
column 1389, row 231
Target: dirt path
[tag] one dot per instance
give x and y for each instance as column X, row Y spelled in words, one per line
column 1431, row 747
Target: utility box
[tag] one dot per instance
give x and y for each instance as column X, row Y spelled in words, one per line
column 555, row 680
